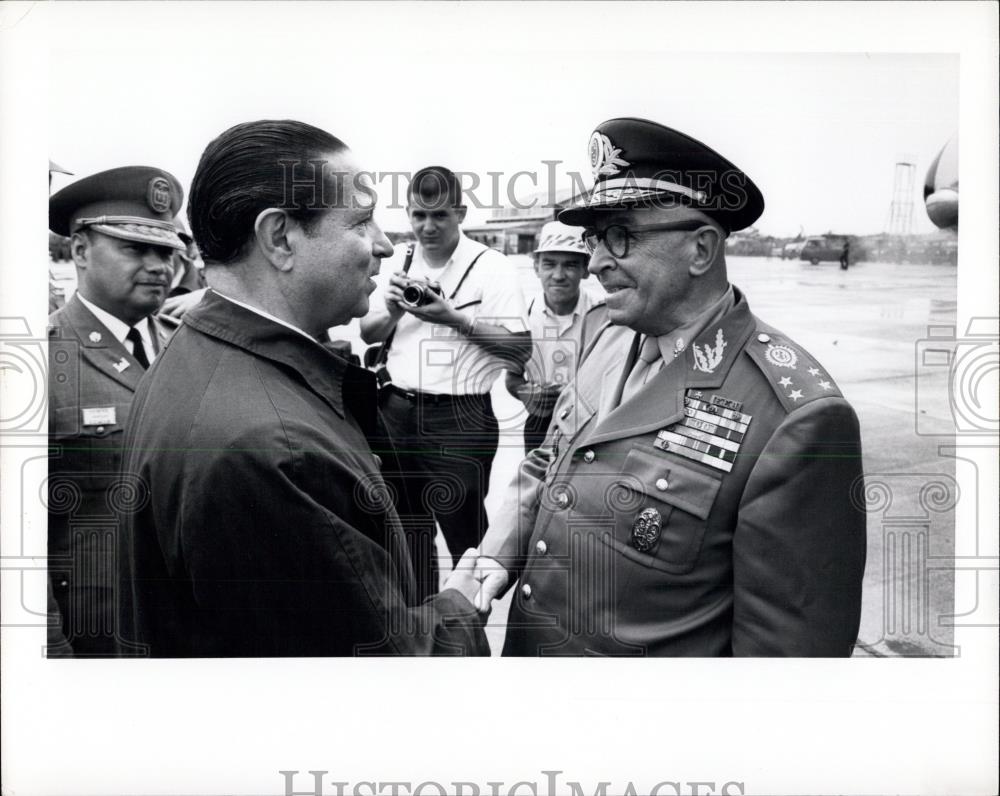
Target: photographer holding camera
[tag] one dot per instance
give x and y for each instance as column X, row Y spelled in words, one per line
column 453, row 321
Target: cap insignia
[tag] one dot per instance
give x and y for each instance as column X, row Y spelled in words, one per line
column 158, row 194
column 604, row 160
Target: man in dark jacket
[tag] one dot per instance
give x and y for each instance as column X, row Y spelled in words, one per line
column 266, row 528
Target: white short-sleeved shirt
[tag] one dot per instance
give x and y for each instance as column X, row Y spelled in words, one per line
column 438, row 359
column 555, row 341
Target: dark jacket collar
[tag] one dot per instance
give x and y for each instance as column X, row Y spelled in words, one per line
column 326, row 373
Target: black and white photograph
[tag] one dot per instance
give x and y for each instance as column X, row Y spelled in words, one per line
column 392, row 361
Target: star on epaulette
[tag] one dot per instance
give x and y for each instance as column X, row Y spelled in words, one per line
column 793, row 374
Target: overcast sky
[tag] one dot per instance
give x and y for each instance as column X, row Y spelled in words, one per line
column 409, row 85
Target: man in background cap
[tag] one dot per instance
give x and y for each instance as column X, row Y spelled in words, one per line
column 558, row 320
column 694, row 495
column 122, row 241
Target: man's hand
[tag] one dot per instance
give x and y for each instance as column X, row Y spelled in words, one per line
column 176, row 306
column 492, row 578
column 462, row 578
column 394, row 295
column 437, row 310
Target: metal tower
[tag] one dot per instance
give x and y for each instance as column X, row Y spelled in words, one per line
column 901, row 209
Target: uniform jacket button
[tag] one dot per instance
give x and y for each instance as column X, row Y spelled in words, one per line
column 526, row 591
column 562, row 500
column 541, row 547
column 764, row 338
column 589, row 456
column 662, row 484
column 564, row 414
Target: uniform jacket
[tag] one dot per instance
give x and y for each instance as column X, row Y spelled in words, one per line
column 759, row 548
column 92, row 380
column 267, row 528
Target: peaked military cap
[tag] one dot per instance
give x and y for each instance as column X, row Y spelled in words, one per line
column 132, row 203
column 639, row 163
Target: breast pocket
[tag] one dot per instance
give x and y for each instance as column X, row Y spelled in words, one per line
column 661, row 509
column 87, row 447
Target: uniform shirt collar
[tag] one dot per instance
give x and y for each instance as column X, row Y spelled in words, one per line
column 676, row 342
column 119, row 329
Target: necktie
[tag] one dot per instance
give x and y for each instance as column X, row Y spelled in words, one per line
column 137, row 348
column 649, row 352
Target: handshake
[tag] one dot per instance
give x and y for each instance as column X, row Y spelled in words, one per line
column 479, row 579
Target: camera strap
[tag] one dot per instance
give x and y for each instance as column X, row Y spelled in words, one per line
column 378, row 365
column 468, row 271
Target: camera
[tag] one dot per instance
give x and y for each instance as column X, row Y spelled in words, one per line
column 418, row 294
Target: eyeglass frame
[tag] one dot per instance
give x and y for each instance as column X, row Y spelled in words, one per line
column 689, row 225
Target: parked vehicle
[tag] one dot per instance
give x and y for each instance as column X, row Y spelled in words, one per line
column 792, row 250
column 823, row 248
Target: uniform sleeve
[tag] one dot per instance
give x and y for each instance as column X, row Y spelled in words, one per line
column 265, row 548
column 800, row 544
column 509, row 533
column 503, row 301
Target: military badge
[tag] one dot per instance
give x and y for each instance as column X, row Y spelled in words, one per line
column 94, row 337
column 604, row 160
column 646, row 530
column 158, row 194
column 725, row 403
column 710, row 432
column 781, row 356
column 708, row 358
column 121, row 364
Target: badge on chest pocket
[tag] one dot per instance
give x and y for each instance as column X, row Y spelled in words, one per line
column 661, row 510
column 99, row 416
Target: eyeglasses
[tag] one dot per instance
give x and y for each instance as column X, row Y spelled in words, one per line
column 617, row 236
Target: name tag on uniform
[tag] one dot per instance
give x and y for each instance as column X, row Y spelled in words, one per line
column 99, row 416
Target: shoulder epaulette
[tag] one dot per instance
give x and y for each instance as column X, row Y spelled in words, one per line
column 794, row 375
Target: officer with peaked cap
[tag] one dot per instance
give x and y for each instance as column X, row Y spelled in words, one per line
column 697, row 491
column 122, row 240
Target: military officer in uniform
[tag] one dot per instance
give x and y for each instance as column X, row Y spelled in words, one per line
column 694, row 493
column 120, row 223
